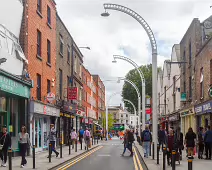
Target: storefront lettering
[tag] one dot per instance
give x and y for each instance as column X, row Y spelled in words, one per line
column 11, row 86
column 203, row 108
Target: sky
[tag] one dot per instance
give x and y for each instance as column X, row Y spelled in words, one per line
column 120, row 34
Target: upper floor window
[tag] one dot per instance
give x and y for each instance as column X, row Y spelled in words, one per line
column 48, row 86
column 61, row 45
column 210, row 71
column 38, row 43
column 68, row 54
column 75, row 64
column 60, row 83
column 48, row 52
column 190, row 87
column 201, row 83
column 38, row 87
column 190, row 54
column 184, row 60
column 49, row 15
column 80, row 71
column 39, row 5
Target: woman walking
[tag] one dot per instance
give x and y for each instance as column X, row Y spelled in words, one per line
column 125, row 142
column 73, row 138
column 170, row 145
column 24, row 142
column 190, row 142
column 5, row 144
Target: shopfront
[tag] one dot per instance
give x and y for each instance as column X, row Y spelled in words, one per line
column 187, row 120
column 204, row 114
column 174, row 121
column 41, row 116
column 14, row 97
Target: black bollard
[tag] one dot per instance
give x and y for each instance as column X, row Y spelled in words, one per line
column 76, row 145
column 81, row 143
column 153, row 151
column 97, row 140
column 50, row 152
column 69, row 147
column 61, row 151
column 158, row 148
column 10, row 152
column 150, row 149
column 173, row 159
column 72, row 142
column 164, row 158
column 190, row 161
column 33, row 156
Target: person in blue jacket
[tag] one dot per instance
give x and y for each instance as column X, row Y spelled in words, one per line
column 208, row 143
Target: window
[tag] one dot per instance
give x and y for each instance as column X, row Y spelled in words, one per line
column 61, row 44
column 184, row 60
column 190, row 57
column 39, row 5
column 60, row 83
column 38, row 87
column 75, row 65
column 38, row 43
column 201, row 83
column 48, row 51
column 49, row 15
column 69, row 54
column 67, row 81
column 190, row 87
column 184, row 87
column 48, row 86
column 210, row 71
column 126, row 115
column 80, row 71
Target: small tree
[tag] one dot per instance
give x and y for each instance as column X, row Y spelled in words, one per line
column 111, row 120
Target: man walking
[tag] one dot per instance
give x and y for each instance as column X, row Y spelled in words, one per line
column 208, row 143
column 52, row 139
column 161, row 137
column 130, row 140
column 81, row 132
column 146, row 141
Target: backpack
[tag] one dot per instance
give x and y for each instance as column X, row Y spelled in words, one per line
column 147, row 136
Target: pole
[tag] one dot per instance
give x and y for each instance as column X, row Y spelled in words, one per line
column 153, row 150
column 50, row 151
column 190, row 166
column 154, row 94
column 173, row 159
column 76, row 145
column 60, row 138
column 164, row 158
column 150, row 149
column 143, row 106
column 81, row 142
column 10, row 158
column 33, row 154
column 158, row 148
column 139, row 116
column 69, row 146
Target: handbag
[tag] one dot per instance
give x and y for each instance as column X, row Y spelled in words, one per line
column 1, row 146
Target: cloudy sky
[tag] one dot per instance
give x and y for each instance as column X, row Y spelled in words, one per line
column 121, row 34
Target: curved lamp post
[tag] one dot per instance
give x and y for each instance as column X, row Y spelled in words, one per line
column 139, row 102
column 134, row 111
column 151, row 36
column 143, row 85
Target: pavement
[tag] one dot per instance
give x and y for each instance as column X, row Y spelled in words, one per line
column 42, row 162
column 198, row 164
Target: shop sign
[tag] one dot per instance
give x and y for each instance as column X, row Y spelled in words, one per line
column 174, row 118
column 204, row 108
column 72, row 93
column 90, row 121
column 183, row 97
column 50, row 97
column 86, row 120
column 40, row 108
column 69, row 107
column 148, row 110
column 11, row 86
column 65, row 115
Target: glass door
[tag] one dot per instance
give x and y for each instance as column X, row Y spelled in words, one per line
column 38, row 132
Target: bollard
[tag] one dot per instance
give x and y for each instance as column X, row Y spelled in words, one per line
column 97, row 140
column 76, row 145
column 190, row 160
column 153, row 151
column 50, row 152
column 87, row 144
column 10, row 152
column 173, row 159
column 72, row 143
column 69, row 147
column 33, row 155
column 81, row 143
column 92, row 140
column 158, row 148
column 164, row 158
column 61, row 151
column 150, row 149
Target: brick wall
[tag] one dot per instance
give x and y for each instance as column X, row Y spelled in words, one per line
column 28, row 38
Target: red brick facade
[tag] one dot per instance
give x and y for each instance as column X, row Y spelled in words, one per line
column 32, row 22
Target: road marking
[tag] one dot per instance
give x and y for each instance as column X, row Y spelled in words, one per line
column 104, row 155
column 139, row 162
column 68, row 165
column 135, row 163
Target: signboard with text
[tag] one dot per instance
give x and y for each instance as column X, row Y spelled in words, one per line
column 183, row 97
column 72, row 93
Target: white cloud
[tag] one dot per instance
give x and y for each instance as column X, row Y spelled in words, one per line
column 120, row 34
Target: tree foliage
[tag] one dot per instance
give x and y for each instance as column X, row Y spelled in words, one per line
column 111, row 120
column 128, row 91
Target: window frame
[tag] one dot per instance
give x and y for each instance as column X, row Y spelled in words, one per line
column 39, row 86
column 68, row 54
column 201, row 84
column 39, row 6
column 61, row 45
column 48, row 86
column 48, row 51
column 190, row 87
column 39, row 41
column 60, row 83
column 48, row 15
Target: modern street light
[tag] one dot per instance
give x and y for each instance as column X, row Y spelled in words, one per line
column 134, row 111
column 88, row 48
column 151, row 36
column 139, row 101
column 143, row 85
column 2, row 60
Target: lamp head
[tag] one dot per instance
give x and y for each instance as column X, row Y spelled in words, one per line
column 88, row 48
column 105, row 14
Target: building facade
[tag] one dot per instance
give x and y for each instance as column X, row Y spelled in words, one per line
column 38, row 39
column 15, row 82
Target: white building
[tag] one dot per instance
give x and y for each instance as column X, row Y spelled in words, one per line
column 133, row 120
column 169, row 90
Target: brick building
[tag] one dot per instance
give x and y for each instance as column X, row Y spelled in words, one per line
column 38, row 40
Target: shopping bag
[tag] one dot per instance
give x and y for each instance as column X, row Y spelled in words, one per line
column 194, row 152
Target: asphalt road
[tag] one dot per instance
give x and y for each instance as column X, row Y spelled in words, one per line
column 107, row 158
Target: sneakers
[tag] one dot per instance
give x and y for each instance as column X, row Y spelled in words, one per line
column 22, row 166
column 57, row 154
column 4, row 165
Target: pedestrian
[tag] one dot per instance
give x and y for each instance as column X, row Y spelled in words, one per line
column 130, row 140
column 5, row 144
column 125, row 142
column 170, row 144
column 146, row 140
column 81, row 132
column 87, row 136
column 161, row 137
column 200, row 143
column 24, row 142
column 190, row 142
column 179, row 142
column 52, row 139
column 73, row 137
column 208, row 143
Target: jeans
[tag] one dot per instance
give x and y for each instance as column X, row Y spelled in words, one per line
column 129, row 146
column 146, row 146
column 208, row 147
column 3, row 154
column 53, row 147
column 161, row 142
column 23, row 149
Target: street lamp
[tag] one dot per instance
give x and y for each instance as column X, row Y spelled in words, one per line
column 151, row 36
column 134, row 111
column 88, row 48
column 2, row 60
column 143, row 85
column 139, row 101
